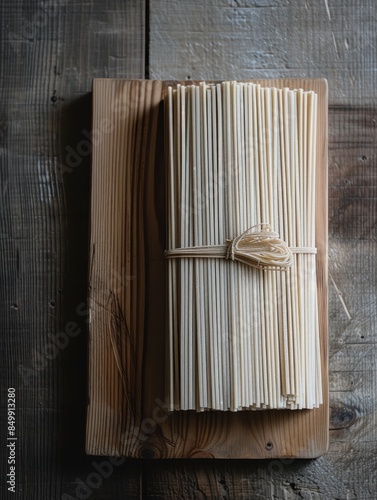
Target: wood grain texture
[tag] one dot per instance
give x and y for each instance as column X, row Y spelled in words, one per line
column 50, row 52
column 127, row 323
column 236, row 39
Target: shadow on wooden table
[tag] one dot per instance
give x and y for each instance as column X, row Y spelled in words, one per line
column 75, row 127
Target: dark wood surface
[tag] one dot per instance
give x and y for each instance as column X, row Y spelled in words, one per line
column 50, row 54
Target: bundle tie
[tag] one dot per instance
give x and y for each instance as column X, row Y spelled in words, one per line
column 259, row 247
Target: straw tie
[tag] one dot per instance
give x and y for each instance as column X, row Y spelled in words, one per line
column 259, row 247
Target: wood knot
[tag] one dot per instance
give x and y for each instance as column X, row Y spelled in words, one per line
column 149, row 451
column 342, row 417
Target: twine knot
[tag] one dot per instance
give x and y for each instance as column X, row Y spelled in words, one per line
column 260, row 247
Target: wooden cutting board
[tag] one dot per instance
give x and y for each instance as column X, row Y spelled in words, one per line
column 127, row 289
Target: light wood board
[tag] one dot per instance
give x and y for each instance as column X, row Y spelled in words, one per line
column 127, row 282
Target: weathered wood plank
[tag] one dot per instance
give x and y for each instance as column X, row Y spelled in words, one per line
column 236, row 39
column 325, row 477
column 51, row 51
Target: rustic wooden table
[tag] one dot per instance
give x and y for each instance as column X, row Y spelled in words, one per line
column 51, row 51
